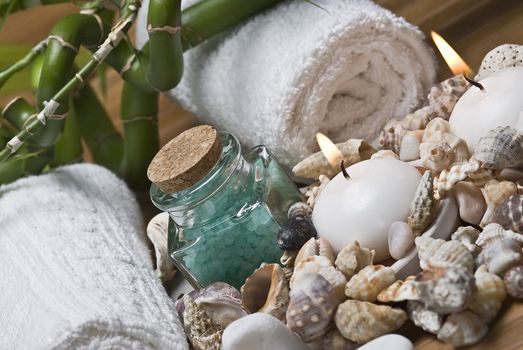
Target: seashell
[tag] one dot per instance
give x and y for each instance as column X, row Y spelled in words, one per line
column 436, row 155
column 437, row 125
column 369, row 282
column 443, row 105
column 399, row 291
column 315, row 191
column 428, row 320
column 361, row 321
column 157, row 234
column 500, row 256
column 353, row 151
column 417, row 120
column 471, row 202
column 501, row 148
column 501, row 57
column 335, row 341
column 490, row 294
column 495, row 192
column 455, row 85
column 423, row 205
column 352, row 258
column 320, row 265
column 409, row 149
column 445, row 289
column 440, row 253
column 467, row 235
column 266, row 290
column 311, row 306
column 493, row 233
column 401, row 239
column 298, row 229
column 289, row 257
column 464, row 328
column 514, row 281
column 459, row 172
column 509, row 214
column 200, row 330
column 214, row 290
column 313, row 247
column 385, row 153
column 391, row 136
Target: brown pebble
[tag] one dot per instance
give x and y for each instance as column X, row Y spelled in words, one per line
column 471, row 202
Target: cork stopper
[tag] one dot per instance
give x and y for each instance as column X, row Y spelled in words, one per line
column 186, row 159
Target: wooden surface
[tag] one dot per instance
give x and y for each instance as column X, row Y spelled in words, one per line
column 472, row 27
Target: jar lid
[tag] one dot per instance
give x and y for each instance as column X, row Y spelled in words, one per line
column 186, row 159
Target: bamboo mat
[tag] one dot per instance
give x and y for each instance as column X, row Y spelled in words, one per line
column 472, row 27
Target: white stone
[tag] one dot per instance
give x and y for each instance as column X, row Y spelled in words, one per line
column 401, row 239
column 389, row 341
column 260, row 331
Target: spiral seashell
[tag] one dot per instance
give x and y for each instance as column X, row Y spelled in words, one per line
column 501, row 148
column 493, row 233
column 435, row 155
column 214, row 290
column 428, row 320
column 335, row 341
column 514, row 281
column 435, row 126
column 455, row 85
column 495, row 192
column 385, row 153
column 423, row 205
column 266, row 290
column 311, row 306
column 459, row 172
column 352, row 258
column 314, row 192
column 369, row 282
column 399, row 291
column 361, row 321
column 417, row 120
column 464, row 328
column 313, row 247
column 500, row 256
column 298, row 229
column 509, row 214
column 467, row 235
column 391, row 136
column 490, row 294
column 440, row 253
column 157, row 234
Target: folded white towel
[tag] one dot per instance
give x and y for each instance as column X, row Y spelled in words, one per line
column 296, row 69
column 75, row 272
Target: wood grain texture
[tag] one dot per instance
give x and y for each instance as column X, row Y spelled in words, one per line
column 472, row 27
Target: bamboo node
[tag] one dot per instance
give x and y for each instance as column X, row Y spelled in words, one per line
column 139, row 118
column 14, row 144
column 63, row 42
column 49, row 108
column 165, row 29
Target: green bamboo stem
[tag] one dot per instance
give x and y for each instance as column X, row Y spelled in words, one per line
column 139, row 111
column 22, row 63
column 18, row 112
column 23, row 164
column 69, row 148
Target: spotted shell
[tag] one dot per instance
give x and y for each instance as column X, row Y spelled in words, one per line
column 490, row 294
column 464, row 328
column 428, row 320
column 443, row 105
column 266, row 290
column 352, row 258
column 390, row 137
column 500, row 57
column 467, row 235
column 399, row 291
column 514, row 281
column 314, row 247
column 369, row 282
column 500, row 256
column 455, row 85
column 298, row 229
column 423, row 205
column 495, row 192
column 440, row 253
column 509, row 213
column 493, row 233
column 311, row 306
column 501, row 148
column 361, row 321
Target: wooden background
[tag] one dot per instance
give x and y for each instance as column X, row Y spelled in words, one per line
column 472, row 27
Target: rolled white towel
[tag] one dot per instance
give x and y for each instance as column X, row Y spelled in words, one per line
column 296, row 69
column 75, row 272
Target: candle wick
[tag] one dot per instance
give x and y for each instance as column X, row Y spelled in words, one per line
column 475, row 83
column 343, row 171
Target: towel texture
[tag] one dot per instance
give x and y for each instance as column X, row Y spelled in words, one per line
column 75, row 272
column 297, row 69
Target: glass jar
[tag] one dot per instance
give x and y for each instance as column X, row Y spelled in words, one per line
column 225, row 225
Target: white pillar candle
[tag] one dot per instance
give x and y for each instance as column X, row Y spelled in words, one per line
column 499, row 104
column 362, row 208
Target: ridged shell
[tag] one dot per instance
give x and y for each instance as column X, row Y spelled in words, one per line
column 400, row 291
column 464, row 328
column 335, row 341
column 501, row 148
column 514, row 281
column 361, row 321
column 423, row 205
column 459, row 172
column 500, row 256
column 314, row 192
column 495, row 192
column 440, row 253
column 311, row 307
column 353, row 258
column 417, row 120
column 490, row 294
column 313, row 247
column 436, row 155
column 298, row 229
column 467, row 235
column 438, row 132
column 428, row 320
column 202, row 333
column 493, row 233
column 157, row 234
column 369, row 282
column 266, row 290
column 509, row 214
column 391, row 136
column 385, row 153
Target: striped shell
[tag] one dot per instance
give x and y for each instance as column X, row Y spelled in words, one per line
column 423, row 205
column 352, row 258
column 501, row 148
column 440, row 253
column 464, row 328
column 490, row 294
column 399, row 291
column 509, row 214
column 493, row 233
column 514, row 281
column 369, row 282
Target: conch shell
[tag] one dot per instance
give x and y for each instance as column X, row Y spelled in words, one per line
column 437, row 252
column 369, row 282
column 501, row 148
column 391, row 136
column 467, row 235
column 266, row 290
column 423, row 205
column 495, row 192
column 464, row 328
column 314, row 247
column 493, row 233
column 509, row 214
column 501, row 255
column 399, row 291
column 361, row 321
column 157, row 234
column 428, row 320
column 352, row 258
column 488, row 299
column 514, row 281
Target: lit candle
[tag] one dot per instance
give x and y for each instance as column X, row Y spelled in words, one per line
column 362, row 207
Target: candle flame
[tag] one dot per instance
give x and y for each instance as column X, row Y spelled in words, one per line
column 329, row 150
column 456, row 64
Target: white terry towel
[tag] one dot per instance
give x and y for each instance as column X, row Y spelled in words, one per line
column 296, row 69
column 75, row 272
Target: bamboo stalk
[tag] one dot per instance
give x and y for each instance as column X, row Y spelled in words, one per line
column 22, row 63
column 69, row 148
